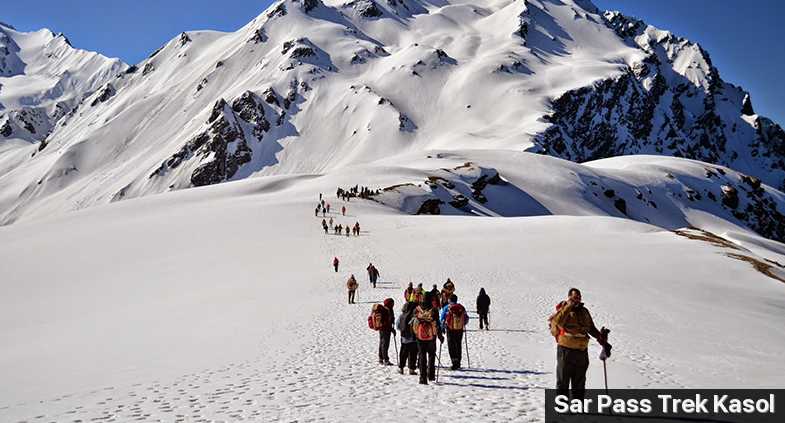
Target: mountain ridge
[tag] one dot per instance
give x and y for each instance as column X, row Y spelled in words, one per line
column 315, row 87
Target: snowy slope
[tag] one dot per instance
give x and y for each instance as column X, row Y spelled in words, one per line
column 311, row 87
column 219, row 303
column 42, row 79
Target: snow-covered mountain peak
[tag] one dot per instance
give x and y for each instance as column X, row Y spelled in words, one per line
column 42, row 79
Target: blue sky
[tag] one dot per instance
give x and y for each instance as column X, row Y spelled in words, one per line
column 744, row 38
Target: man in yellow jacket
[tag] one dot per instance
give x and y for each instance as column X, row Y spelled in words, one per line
column 571, row 325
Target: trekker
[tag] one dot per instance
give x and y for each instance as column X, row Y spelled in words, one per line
column 324, row 226
column 373, row 274
column 425, row 325
column 571, row 326
column 320, row 196
column 447, row 290
column 454, row 319
column 408, row 353
column 351, row 286
column 437, row 304
column 336, row 262
column 419, row 294
column 347, row 231
column 316, row 211
column 331, row 222
column 386, row 331
column 343, row 210
column 408, row 293
column 328, row 207
column 483, row 304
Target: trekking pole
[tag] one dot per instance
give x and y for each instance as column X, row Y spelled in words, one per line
column 605, row 370
column 466, row 338
column 397, row 358
column 440, row 361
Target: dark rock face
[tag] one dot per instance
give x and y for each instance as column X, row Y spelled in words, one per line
column 6, row 130
column 148, row 68
column 224, row 147
column 106, row 93
column 621, row 205
column 459, row 201
column 367, row 8
column 279, row 11
column 524, row 21
column 430, row 206
column 309, row 5
column 259, row 36
column 730, row 196
column 651, row 109
column 184, row 39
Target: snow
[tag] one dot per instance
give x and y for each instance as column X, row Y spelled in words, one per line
column 220, row 302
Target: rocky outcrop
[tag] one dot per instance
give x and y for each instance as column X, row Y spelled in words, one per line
column 107, row 92
column 219, row 151
column 660, row 106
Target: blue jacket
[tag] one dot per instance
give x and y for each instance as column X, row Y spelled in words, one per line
column 443, row 316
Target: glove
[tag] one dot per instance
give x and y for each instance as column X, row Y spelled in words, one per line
column 606, row 351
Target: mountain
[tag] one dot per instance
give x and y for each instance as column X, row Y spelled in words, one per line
column 673, row 102
column 43, row 79
column 313, row 87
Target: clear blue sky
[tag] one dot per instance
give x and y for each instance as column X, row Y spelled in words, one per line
column 744, row 38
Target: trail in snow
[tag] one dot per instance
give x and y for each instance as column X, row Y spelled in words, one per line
column 233, row 326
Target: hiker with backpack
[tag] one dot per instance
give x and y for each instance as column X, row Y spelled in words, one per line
column 454, row 319
column 572, row 325
column 408, row 293
column 324, row 226
column 483, row 304
column 419, row 293
column 437, row 303
column 447, row 290
column 381, row 319
column 425, row 325
column 336, row 262
column 408, row 353
column 351, row 286
column 373, row 274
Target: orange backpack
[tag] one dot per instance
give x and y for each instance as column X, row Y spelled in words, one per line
column 423, row 326
column 455, row 317
column 376, row 318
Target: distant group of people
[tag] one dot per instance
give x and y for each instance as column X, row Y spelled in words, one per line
column 340, row 229
column 355, row 191
column 323, row 207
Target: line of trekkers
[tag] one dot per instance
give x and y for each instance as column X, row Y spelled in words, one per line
column 430, row 315
column 425, row 317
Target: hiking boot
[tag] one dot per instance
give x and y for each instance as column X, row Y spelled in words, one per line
column 423, row 382
column 412, row 372
column 400, row 370
column 387, row 363
column 381, row 361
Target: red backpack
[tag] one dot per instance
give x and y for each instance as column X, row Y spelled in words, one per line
column 424, row 326
column 455, row 317
column 376, row 318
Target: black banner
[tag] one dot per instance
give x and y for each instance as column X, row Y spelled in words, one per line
column 668, row 405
